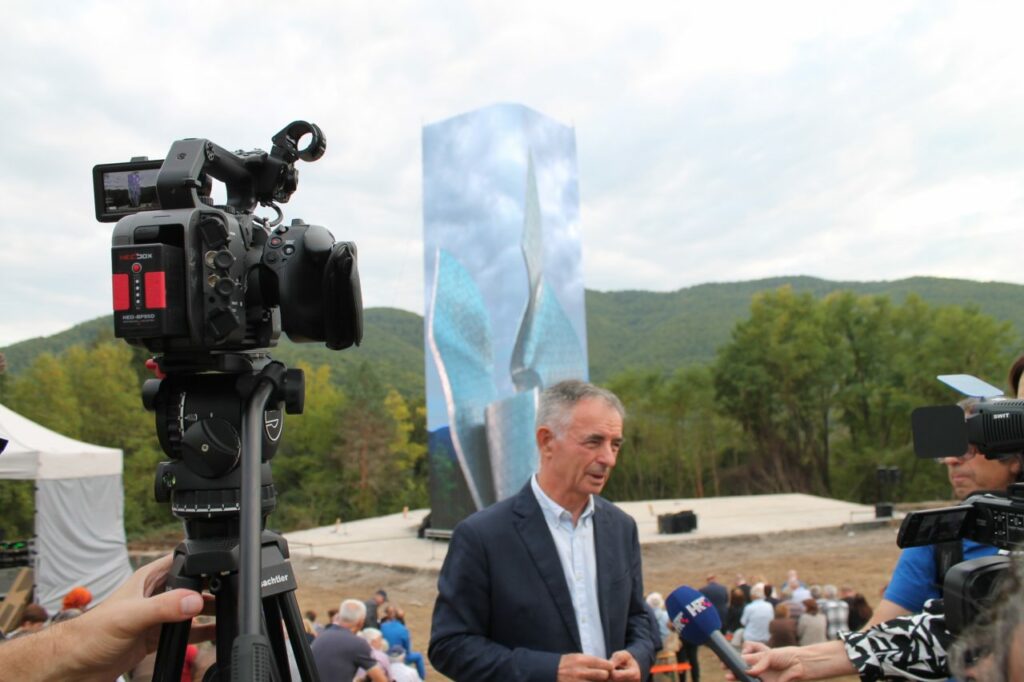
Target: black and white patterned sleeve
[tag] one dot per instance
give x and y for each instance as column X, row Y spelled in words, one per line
column 905, row 648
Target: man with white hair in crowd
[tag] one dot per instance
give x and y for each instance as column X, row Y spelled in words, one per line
column 339, row 652
column 756, row 616
column 378, row 647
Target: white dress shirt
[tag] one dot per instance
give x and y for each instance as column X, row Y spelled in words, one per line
column 575, row 546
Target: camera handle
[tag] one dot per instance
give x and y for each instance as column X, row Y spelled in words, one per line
column 236, row 578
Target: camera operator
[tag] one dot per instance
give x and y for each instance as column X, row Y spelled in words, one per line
column 920, row 571
column 109, row 639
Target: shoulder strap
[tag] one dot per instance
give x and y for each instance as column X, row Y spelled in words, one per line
column 947, row 555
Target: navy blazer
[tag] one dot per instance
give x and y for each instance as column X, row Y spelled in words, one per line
column 503, row 610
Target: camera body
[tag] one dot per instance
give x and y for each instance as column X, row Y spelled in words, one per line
column 191, row 278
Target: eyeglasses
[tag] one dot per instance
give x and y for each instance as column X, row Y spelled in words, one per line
column 972, row 452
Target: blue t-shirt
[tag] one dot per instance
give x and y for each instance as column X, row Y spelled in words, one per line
column 396, row 633
column 914, row 581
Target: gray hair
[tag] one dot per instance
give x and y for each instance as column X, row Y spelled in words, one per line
column 830, row 591
column 655, row 600
column 372, row 635
column 757, row 591
column 351, row 612
column 557, row 402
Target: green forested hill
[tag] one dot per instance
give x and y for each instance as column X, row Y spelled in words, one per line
column 643, row 329
column 626, row 329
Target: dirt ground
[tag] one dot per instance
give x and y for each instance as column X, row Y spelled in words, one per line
column 861, row 559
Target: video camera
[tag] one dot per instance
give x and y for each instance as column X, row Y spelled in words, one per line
column 190, row 277
column 996, row 428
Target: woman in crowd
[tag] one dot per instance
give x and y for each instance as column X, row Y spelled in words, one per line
column 812, row 625
column 737, row 600
column 782, row 629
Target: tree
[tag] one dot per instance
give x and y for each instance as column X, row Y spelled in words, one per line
column 307, row 475
column 408, row 456
column 44, row 394
column 824, row 388
column 777, row 378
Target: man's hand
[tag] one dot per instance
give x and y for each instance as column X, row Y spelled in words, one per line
column 110, row 639
column 626, row 667
column 573, row 667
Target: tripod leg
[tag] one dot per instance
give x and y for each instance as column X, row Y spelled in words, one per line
column 297, row 636
column 272, row 626
column 170, row 653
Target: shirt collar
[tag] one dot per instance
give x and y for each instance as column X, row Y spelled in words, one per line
column 554, row 512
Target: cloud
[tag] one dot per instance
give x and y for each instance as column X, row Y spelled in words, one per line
column 716, row 142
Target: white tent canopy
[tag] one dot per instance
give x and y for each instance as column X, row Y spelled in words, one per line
column 79, row 508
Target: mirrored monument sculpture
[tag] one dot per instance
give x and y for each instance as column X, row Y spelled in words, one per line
column 504, row 311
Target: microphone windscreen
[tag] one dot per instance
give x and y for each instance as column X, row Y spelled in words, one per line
column 692, row 614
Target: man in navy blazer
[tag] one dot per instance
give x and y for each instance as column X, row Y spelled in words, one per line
column 547, row 585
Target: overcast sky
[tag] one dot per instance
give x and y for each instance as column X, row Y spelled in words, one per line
column 717, row 142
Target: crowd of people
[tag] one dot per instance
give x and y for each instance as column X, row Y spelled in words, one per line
column 360, row 641
column 364, row 641
column 35, row 618
column 797, row 614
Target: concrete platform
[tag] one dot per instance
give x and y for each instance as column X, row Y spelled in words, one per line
column 391, row 540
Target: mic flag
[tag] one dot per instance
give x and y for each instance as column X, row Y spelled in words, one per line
column 692, row 614
column 696, row 621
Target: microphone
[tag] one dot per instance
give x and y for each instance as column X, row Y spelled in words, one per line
column 697, row 622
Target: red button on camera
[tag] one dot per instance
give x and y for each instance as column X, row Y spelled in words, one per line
column 136, row 267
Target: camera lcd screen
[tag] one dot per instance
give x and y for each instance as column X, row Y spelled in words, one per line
column 933, row 525
column 124, row 188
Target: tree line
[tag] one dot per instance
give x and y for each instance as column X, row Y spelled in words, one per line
column 358, row 450
column 808, row 395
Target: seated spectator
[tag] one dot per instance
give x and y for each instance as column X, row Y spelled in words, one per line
column 311, row 617
column 378, row 647
column 811, row 626
column 782, row 629
column 34, row 618
column 400, row 671
column 794, row 596
column 756, row 616
column 837, row 611
column 860, row 612
column 339, row 652
column 737, row 601
column 394, row 630
column 657, row 602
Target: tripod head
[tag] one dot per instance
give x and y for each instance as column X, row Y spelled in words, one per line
column 199, row 417
column 220, row 418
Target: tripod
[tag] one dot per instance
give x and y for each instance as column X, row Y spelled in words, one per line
column 222, row 490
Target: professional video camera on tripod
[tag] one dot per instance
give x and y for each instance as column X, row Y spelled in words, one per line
column 209, row 289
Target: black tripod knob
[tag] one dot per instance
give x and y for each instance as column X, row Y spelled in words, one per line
column 211, row 447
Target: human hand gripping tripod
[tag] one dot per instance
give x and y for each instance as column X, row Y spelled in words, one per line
column 221, row 488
